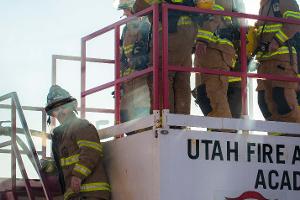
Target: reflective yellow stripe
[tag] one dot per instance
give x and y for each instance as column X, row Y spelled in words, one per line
column 128, row 49
column 281, row 36
column 218, row 7
column 292, row 14
column 270, row 28
column 184, row 20
column 68, row 194
column 298, row 75
column 93, row 145
column 89, row 187
column 280, row 51
column 209, row 36
column 177, row 1
column 69, row 160
column 82, row 169
column 227, row 18
column 127, row 71
column 232, row 79
column 276, row 134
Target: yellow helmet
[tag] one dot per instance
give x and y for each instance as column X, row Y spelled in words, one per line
column 205, row 4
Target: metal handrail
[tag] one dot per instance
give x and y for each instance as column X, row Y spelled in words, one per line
column 16, row 107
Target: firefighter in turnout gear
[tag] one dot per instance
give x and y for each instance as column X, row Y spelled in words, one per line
column 134, row 57
column 77, row 150
column 182, row 32
column 277, row 56
column 234, row 83
column 215, row 50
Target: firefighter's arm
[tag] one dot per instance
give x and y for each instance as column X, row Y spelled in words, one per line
column 206, row 32
column 90, row 150
column 289, row 10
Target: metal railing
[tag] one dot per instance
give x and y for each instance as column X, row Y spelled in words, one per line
column 30, row 151
column 154, row 9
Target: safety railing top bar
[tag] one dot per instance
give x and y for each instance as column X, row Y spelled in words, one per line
column 165, row 7
column 15, row 153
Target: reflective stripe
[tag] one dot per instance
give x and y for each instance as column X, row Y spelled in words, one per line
column 270, row 28
column 280, row 51
column 127, row 71
column 128, row 49
column 276, row 134
column 177, row 1
column 89, row 187
column 282, row 37
column 298, row 75
column 232, row 79
column 209, row 36
column 93, row 145
column 292, row 14
column 82, row 169
column 69, row 160
column 184, row 20
column 218, row 7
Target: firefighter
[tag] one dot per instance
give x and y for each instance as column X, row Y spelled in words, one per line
column 277, row 56
column 77, row 150
column 134, row 57
column 234, row 83
column 182, row 32
column 215, row 50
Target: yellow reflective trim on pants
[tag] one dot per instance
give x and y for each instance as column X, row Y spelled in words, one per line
column 93, row 145
column 269, row 28
column 184, row 20
column 298, row 75
column 69, row 160
column 82, row 169
column 224, row 41
column 292, row 14
column 232, row 79
column 128, row 49
column 281, row 36
column 282, row 50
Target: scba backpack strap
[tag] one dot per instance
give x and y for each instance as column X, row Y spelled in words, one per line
column 174, row 15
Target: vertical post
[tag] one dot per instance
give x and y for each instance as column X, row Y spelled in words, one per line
column 83, row 78
column 53, row 70
column 244, row 70
column 13, row 143
column 155, row 54
column 165, row 55
column 117, row 74
column 44, row 138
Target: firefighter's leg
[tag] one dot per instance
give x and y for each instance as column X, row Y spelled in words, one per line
column 216, row 88
column 261, row 99
column 141, row 100
column 202, row 100
column 125, row 98
column 235, row 100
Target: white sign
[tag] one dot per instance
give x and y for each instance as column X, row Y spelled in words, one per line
column 218, row 166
